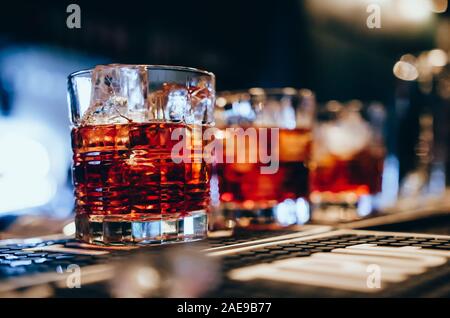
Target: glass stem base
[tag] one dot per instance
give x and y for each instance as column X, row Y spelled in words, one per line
column 118, row 230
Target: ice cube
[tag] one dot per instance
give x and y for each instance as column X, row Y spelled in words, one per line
column 118, row 95
column 178, row 106
column 346, row 136
column 136, row 93
column 202, row 103
column 111, row 111
column 192, row 105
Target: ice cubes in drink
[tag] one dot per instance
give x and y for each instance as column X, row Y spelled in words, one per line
column 123, row 94
column 345, row 156
column 118, row 95
column 344, row 137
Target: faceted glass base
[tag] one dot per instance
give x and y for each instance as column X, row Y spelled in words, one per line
column 287, row 213
column 118, row 230
column 336, row 211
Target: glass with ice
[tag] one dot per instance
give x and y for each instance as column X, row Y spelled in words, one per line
column 276, row 125
column 130, row 184
column 347, row 161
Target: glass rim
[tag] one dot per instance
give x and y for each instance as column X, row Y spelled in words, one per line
column 147, row 67
column 261, row 92
column 336, row 106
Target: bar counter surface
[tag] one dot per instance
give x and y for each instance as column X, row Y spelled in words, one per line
column 410, row 251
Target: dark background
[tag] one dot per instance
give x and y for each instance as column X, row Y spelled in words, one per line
column 245, row 43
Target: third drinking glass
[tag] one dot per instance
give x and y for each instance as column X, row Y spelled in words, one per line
column 347, row 161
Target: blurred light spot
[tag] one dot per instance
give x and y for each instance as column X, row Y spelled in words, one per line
column 303, row 211
column 221, row 101
column 285, row 212
column 20, row 194
column 214, row 190
column 315, row 197
column 147, row 278
column 414, row 10
column 437, row 58
column 23, row 156
column 248, row 204
column 188, row 225
column 333, row 106
column 306, row 92
column 409, row 58
column 405, row 71
column 256, row 91
column 390, row 180
column 230, row 223
column 292, row 212
column 69, row 229
column 287, row 116
column 226, row 197
column 437, row 179
column 24, row 168
column 397, row 16
column 354, row 105
column 289, row 91
column 243, row 109
column 219, row 134
column 364, row 205
column 350, row 197
column 439, row 6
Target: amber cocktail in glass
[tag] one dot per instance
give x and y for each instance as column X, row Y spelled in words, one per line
column 131, row 186
column 347, row 161
column 263, row 180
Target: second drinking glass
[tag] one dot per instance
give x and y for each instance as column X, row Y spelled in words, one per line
column 262, row 173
